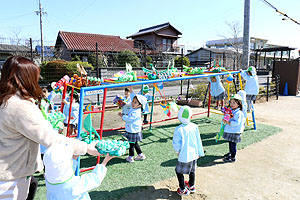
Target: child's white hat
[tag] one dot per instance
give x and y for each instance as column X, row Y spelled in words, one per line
column 58, row 163
column 184, row 114
column 237, row 96
column 142, row 100
column 242, row 93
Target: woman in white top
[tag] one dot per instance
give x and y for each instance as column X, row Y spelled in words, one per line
column 23, row 128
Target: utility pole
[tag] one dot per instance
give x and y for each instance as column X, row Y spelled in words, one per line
column 246, row 35
column 41, row 28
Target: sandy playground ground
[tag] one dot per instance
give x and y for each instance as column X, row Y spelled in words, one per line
column 269, row 169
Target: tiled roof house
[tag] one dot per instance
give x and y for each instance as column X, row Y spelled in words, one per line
column 82, row 44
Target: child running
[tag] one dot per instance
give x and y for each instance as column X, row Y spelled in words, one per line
column 59, row 174
column 251, row 87
column 133, row 125
column 234, row 127
column 217, row 91
column 188, row 146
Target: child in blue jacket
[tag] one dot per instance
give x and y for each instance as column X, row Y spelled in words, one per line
column 234, row 127
column 217, row 90
column 148, row 97
column 251, row 87
column 188, row 146
column 61, row 182
column 133, row 125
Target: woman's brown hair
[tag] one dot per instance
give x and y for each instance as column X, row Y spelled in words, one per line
column 20, row 75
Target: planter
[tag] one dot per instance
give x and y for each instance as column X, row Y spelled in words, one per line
column 195, row 102
column 182, row 102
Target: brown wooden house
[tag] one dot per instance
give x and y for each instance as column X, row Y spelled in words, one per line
column 162, row 37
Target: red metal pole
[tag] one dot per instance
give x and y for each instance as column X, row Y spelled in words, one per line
column 70, row 109
column 63, row 97
column 102, row 113
column 163, row 120
column 87, row 169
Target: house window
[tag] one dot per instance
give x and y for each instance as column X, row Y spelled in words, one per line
column 84, row 58
column 167, row 44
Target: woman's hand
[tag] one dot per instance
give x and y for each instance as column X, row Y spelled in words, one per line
column 120, row 114
column 91, row 149
column 107, row 158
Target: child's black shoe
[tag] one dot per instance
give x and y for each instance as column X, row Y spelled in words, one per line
column 228, row 159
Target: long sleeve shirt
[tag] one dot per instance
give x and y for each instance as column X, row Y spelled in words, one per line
column 133, row 121
column 127, row 106
column 216, row 88
column 22, row 129
column 78, row 186
column 187, row 142
column 237, row 122
column 252, row 86
column 74, row 113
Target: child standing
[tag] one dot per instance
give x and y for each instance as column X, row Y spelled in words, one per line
column 127, row 101
column 188, row 146
column 59, row 174
column 217, row 91
column 251, row 87
column 234, row 127
column 148, row 97
column 74, row 113
column 133, row 125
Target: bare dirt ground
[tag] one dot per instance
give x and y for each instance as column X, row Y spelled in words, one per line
column 269, row 169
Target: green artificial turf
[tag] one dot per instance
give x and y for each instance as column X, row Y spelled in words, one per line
column 123, row 177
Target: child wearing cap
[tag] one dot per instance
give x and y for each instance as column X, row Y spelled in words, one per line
column 148, row 97
column 251, row 87
column 234, row 127
column 188, row 146
column 217, row 91
column 61, row 182
column 127, row 101
column 133, row 125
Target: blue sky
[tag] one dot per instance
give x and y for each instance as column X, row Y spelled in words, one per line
column 198, row 20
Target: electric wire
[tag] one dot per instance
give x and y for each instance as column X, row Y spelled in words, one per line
column 285, row 15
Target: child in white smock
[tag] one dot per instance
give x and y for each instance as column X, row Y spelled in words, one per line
column 217, row 91
column 61, row 182
column 188, row 145
column 133, row 125
column 251, row 87
column 234, row 127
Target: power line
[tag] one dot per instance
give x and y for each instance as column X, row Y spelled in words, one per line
column 285, row 15
column 15, row 17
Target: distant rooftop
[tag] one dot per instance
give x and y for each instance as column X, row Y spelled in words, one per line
column 154, row 29
column 87, row 42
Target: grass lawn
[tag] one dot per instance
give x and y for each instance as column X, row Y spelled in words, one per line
column 123, row 178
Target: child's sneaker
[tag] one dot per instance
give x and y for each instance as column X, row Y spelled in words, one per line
column 140, row 157
column 129, row 159
column 184, row 192
column 190, row 188
column 229, row 159
column 227, row 155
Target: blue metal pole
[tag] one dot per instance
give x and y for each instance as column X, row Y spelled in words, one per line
column 157, row 81
column 77, row 171
column 253, row 118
